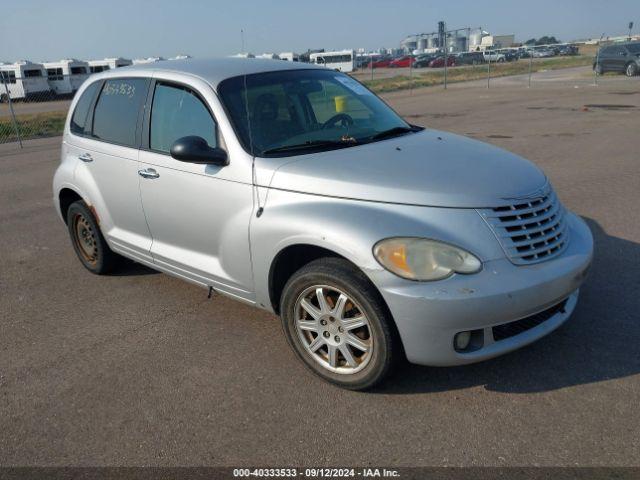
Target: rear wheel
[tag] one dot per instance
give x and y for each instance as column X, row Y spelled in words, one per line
column 338, row 325
column 88, row 241
column 631, row 70
column 598, row 69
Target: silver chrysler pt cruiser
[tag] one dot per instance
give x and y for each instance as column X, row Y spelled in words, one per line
column 295, row 189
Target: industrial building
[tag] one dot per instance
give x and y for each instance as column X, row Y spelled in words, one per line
column 453, row 41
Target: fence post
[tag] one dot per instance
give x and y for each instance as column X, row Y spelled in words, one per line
column 595, row 69
column 13, row 115
column 488, row 71
column 530, row 65
column 410, row 74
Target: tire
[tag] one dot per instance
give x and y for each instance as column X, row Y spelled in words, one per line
column 376, row 338
column 598, row 69
column 631, row 70
column 88, row 242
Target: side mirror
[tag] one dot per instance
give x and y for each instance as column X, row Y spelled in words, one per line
column 194, row 149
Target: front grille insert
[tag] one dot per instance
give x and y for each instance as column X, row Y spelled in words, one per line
column 511, row 329
column 530, row 231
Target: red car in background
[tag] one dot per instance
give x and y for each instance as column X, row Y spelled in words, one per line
column 439, row 62
column 380, row 63
column 405, row 61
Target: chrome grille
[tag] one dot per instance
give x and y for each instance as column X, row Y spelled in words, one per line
column 532, row 230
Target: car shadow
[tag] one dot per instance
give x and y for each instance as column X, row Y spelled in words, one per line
column 598, row 343
column 129, row 268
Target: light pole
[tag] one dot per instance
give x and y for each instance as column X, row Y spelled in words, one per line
column 630, row 28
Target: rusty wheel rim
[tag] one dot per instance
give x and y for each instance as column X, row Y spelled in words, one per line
column 85, row 239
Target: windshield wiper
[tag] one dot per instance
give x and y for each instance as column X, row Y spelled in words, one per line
column 311, row 145
column 393, row 132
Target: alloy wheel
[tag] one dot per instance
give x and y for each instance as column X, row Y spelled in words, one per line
column 333, row 329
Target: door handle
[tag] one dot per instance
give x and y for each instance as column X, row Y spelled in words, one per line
column 148, row 173
column 86, row 157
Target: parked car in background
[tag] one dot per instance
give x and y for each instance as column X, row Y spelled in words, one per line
column 623, row 58
column 510, row 55
column 543, row 53
column 524, row 52
column 438, row 62
column 469, row 58
column 567, row 50
column 381, row 62
column 493, row 56
column 422, row 61
column 401, row 62
column 362, row 61
column 371, row 238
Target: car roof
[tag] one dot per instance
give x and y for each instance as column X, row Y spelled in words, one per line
column 213, row 70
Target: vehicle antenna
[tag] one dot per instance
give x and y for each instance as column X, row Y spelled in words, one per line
column 253, row 156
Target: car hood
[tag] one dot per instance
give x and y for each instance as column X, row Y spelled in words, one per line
column 428, row 168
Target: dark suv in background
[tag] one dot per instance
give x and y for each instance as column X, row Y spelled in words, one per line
column 624, row 57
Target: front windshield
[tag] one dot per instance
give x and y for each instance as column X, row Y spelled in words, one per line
column 294, row 111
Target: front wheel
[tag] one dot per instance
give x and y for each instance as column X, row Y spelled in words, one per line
column 631, row 70
column 338, row 325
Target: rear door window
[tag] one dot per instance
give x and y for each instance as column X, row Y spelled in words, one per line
column 178, row 112
column 79, row 118
column 116, row 114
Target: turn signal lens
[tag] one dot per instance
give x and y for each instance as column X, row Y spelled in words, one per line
column 424, row 259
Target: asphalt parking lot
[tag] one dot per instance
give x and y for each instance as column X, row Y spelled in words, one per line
column 141, row 369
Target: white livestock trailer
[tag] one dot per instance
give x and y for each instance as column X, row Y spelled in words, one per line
column 138, row 61
column 97, row 66
column 23, row 80
column 289, row 56
column 65, row 76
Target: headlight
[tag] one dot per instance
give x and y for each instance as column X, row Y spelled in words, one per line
column 424, row 259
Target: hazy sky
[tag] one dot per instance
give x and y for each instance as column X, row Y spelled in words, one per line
column 87, row 29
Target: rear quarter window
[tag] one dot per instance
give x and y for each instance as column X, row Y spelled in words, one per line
column 79, row 118
column 116, row 114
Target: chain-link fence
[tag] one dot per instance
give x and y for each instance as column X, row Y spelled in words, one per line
column 384, row 74
column 35, row 105
column 30, row 107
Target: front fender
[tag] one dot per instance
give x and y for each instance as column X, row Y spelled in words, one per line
column 351, row 228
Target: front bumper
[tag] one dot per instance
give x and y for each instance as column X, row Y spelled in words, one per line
column 429, row 314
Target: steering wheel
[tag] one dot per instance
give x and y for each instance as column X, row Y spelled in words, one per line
column 345, row 119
